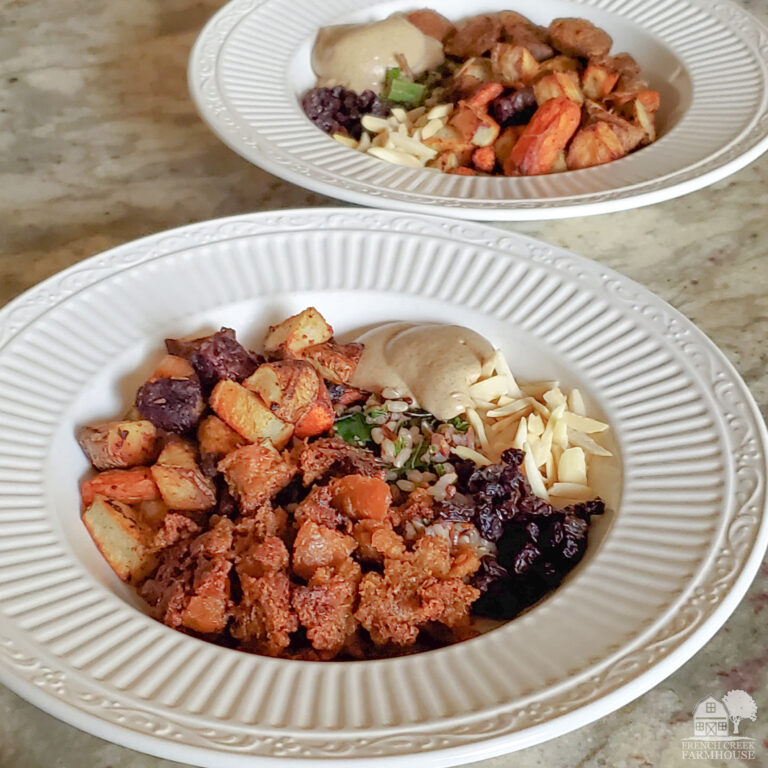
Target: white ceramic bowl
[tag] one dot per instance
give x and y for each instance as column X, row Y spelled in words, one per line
column 686, row 535
column 708, row 58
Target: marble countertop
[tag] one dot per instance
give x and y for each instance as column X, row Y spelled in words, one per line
column 100, row 144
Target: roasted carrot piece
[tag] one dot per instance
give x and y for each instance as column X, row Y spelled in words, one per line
column 484, row 159
column 484, row 95
column 362, row 498
column 545, row 136
column 463, row 171
column 129, row 486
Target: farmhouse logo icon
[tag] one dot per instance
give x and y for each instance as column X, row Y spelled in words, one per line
column 716, row 724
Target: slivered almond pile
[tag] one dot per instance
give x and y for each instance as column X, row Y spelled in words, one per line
column 399, row 137
column 549, row 425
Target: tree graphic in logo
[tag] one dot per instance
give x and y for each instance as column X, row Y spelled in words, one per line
column 740, row 706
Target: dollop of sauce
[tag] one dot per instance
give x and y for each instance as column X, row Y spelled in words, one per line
column 432, row 363
column 357, row 56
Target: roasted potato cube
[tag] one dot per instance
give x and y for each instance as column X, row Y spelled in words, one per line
column 319, row 417
column 474, row 125
column 513, row 64
column 594, row 145
column 559, row 64
column 472, row 74
column 255, row 473
column 173, row 367
column 184, row 488
column 334, row 362
column 119, row 444
column 297, row 333
column 287, row 387
column 449, row 160
column 628, row 134
column 127, row 485
column 556, row 85
column 543, row 139
column 503, row 148
column 598, row 81
column 122, row 536
column 178, row 453
column 247, row 414
column 214, row 436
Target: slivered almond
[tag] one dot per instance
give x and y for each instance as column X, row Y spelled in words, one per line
column 395, row 156
column 375, row 124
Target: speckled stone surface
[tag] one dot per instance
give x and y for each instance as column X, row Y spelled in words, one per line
column 100, row 144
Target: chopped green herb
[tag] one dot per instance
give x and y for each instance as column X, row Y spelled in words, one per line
column 406, row 91
column 459, row 424
column 438, row 469
column 375, row 413
column 392, row 74
column 415, row 459
column 353, row 429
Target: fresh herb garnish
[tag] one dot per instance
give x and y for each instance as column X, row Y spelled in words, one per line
column 354, row 429
column 459, row 424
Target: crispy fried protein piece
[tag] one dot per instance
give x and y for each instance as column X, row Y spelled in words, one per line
column 377, row 540
column 473, row 37
column 579, row 37
column 393, row 607
column 317, row 546
column 418, row 506
column 431, row 23
column 447, row 601
column 174, row 528
column 255, row 473
column 191, row 585
column 265, row 521
column 263, row 619
column 318, row 508
column 331, row 456
column 326, row 605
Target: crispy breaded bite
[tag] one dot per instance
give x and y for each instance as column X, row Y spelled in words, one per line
column 317, row 546
column 255, row 473
column 326, row 605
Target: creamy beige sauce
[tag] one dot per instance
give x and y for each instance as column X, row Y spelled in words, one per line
column 357, row 55
column 432, row 363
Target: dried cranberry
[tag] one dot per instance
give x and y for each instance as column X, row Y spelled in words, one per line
column 338, row 110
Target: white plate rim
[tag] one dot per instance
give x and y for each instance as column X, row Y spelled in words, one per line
column 236, row 132
column 44, row 687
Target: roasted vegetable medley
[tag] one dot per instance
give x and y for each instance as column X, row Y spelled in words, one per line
column 510, row 98
column 262, row 502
